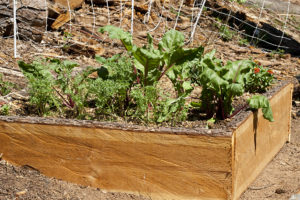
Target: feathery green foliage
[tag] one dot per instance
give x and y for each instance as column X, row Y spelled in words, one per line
column 128, row 86
column 52, row 85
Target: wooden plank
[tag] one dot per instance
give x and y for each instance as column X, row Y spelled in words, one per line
column 61, row 20
column 161, row 165
column 255, row 146
column 158, row 165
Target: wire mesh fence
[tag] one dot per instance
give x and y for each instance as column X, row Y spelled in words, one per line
column 71, row 25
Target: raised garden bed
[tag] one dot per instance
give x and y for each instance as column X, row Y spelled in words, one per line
column 162, row 163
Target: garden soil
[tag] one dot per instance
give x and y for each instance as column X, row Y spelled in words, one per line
column 278, row 181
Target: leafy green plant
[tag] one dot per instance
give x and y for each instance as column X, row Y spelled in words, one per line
column 224, row 31
column 221, row 84
column 151, row 64
column 147, row 102
column 5, row 86
column 128, row 86
column 243, row 41
column 239, row 1
column 112, row 89
column 279, row 52
column 259, row 101
column 4, row 109
column 67, row 35
column 40, row 83
column 260, row 79
column 51, row 85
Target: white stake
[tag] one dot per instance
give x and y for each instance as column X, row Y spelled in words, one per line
column 197, row 20
column 132, row 16
column 15, row 27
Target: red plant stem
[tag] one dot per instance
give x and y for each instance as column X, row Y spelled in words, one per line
column 221, row 104
column 64, row 100
column 164, row 72
column 237, row 111
column 71, row 102
column 135, row 72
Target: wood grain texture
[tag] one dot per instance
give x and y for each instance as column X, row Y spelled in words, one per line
column 256, row 145
column 61, row 20
column 162, row 166
column 31, row 18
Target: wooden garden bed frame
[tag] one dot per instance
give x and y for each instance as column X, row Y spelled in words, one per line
column 162, row 163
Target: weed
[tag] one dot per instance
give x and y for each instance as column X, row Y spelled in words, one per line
column 239, row 1
column 224, row 31
column 4, row 109
column 5, row 86
column 279, row 52
column 243, row 42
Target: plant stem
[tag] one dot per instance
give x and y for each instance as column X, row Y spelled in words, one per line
column 164, row 72
column 237, row 111
column 146, row 74
column 64, row 100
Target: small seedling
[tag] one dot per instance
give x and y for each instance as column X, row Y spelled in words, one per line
column 5, row 86
column 4, row 109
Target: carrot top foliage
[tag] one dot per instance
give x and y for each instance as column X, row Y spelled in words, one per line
column 129, row 85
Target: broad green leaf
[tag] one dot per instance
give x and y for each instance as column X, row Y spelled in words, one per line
column 153, row 76
column 100, row 59
column 210, row 78
column 210, row 63
column 171, row 75
column 69, row 64
column 235, row 89
column 180, row 55
column 171, row 41
column 187, row 86
column 117, row 33
column 35, row 70
column 236, row 71
column 150, row 41
column 26, row 68
column 259, row 101
column 210, row 55
column 103, row 72
column 138, row 65
column 196, row 104
column 150, row 59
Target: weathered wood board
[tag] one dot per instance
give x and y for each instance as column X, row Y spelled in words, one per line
column 161, row 165
column 257, row 140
